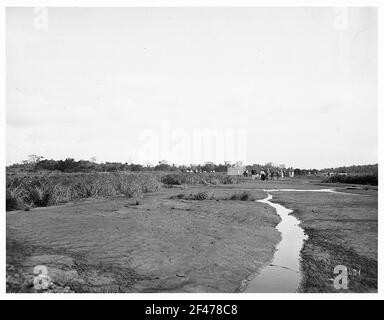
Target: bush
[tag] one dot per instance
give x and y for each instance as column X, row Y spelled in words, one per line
column 355, row 179
column 13, row 202
column 243, row 196
column 198, row 178
column 229, row 180
column 172, row 179
column 201, row 195
column 48, row 188
column 56, row 188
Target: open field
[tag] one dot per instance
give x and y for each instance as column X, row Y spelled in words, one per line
column 191, row 238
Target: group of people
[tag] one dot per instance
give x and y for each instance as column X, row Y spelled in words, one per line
column 263, row 174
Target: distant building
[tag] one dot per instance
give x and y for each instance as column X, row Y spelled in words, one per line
column 236, row 170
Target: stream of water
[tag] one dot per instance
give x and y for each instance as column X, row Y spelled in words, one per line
column 283, row 273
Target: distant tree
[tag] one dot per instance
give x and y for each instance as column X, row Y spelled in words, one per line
column 221, row 168
column 46, row 165
column 32, row 158
column 162, row 167
column 269, row 165
column 298, row 172
column 135, row 167
column 68, row 165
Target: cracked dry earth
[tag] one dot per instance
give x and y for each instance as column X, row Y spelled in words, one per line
column 159, row 245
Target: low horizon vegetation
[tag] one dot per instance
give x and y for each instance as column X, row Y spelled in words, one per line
column 253, row 195
column 178, row 179
column 38, row 163
column 31, row 185
column 26, row 190
column 40, row 189
column 371, row 179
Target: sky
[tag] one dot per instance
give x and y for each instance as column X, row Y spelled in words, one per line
column 293, row 86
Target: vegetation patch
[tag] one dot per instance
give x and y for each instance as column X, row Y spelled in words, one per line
column 205, row 195
column 46, row 189
column 201, row 195
column 371, row 179
column 247, row 196
column 175, row 179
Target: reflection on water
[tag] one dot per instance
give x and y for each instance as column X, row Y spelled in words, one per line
column 283, row 274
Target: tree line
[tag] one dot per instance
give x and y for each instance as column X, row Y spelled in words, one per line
column 38, row 163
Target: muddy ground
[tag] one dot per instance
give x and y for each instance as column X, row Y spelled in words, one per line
column 167, row 243
column 158, row 245
column 342, row 230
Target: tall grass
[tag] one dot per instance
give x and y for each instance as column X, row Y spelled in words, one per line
column 205, row 195
column 200, row 195
column 199, row 178
column 246, row 195
column 45, row 189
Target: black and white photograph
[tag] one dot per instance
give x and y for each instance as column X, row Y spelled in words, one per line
column 191, row 149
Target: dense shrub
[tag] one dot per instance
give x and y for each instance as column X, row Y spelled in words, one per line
column 229, row 180
column 355, row 179
column 243, row 196
column 199, row 178
column 172, row 179
column 23, row 190
column 206, row 195
column 248, row 195
column 51, row 188
column 13, row 202
column 202, row 195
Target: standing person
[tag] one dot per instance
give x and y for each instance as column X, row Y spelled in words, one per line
column 263, row 175
column 253, row 173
